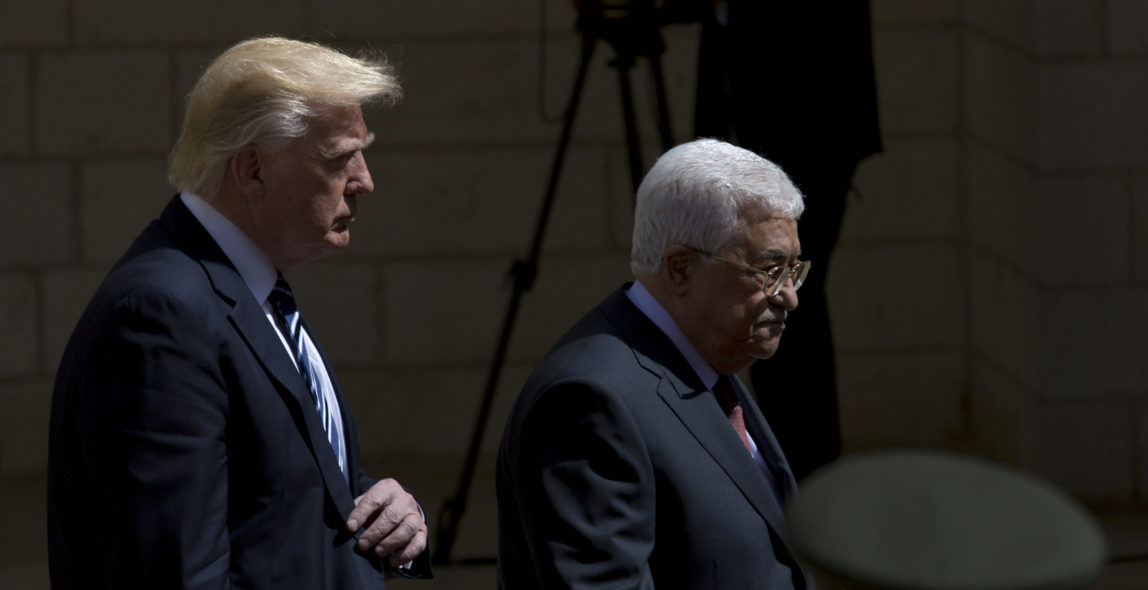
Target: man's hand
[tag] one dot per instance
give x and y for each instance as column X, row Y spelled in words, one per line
column 394, row 525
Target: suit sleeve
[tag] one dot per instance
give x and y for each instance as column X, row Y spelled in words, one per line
column 154, row 435
column 584, row 490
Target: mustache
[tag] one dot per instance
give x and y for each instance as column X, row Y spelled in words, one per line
column 773, row 315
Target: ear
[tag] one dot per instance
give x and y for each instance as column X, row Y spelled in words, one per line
column 246, row 171
column 677, row 264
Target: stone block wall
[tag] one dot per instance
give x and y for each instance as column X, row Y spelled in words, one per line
column 1029, row 174
column 986, row 294
column 899, row 311
column 92, row 98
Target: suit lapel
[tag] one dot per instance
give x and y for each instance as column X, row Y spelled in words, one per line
column 696, row 407
column 249, row 320
column 699, row 411
column 252, row 324
column 702, row 416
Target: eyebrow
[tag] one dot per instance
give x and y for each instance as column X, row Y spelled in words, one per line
column 348, row 147
column 772, row 256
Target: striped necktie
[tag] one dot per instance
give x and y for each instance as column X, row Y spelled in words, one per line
column 283, row 301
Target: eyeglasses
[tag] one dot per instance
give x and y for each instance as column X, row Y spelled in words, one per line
column 775, row 276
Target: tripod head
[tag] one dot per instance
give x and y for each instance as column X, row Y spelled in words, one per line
column 614, row 8
column 631, row 26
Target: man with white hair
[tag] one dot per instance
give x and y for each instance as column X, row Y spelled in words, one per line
column 199, row 438
column 634, row 457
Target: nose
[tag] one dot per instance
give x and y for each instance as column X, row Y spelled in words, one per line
column 787, row 296
column 360, row 182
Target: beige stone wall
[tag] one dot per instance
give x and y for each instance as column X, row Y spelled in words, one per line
column 986, row 294
column 896, row 287
column 1013, row 185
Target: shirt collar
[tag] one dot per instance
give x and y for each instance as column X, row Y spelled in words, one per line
column 645, row 302
column 252, row 263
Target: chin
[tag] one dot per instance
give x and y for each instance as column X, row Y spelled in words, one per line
column 764, row 350
column 337, row 241
column 762, row 355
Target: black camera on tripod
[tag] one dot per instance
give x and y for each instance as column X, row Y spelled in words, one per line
column 631, row 26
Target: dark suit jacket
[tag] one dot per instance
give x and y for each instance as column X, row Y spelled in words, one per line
column 185, row 451
column 618, row 469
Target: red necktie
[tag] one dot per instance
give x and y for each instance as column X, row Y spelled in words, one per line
column 727, row 398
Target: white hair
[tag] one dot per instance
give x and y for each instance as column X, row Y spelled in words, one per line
column 694, row 195
column 263, row 90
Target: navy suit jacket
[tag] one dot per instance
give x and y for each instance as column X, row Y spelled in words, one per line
column 184, row 450
column 618, row 469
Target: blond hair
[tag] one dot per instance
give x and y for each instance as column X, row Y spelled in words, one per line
column 265, row 89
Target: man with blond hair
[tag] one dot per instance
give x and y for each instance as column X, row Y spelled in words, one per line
column 199, row 438
column 634, row 457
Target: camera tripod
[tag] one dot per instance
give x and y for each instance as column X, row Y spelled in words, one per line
column 633, row 31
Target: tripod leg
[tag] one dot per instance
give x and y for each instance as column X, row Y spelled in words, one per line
column 633, row 147
column 664, row 130
column 563, row 144
column 523, row 273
